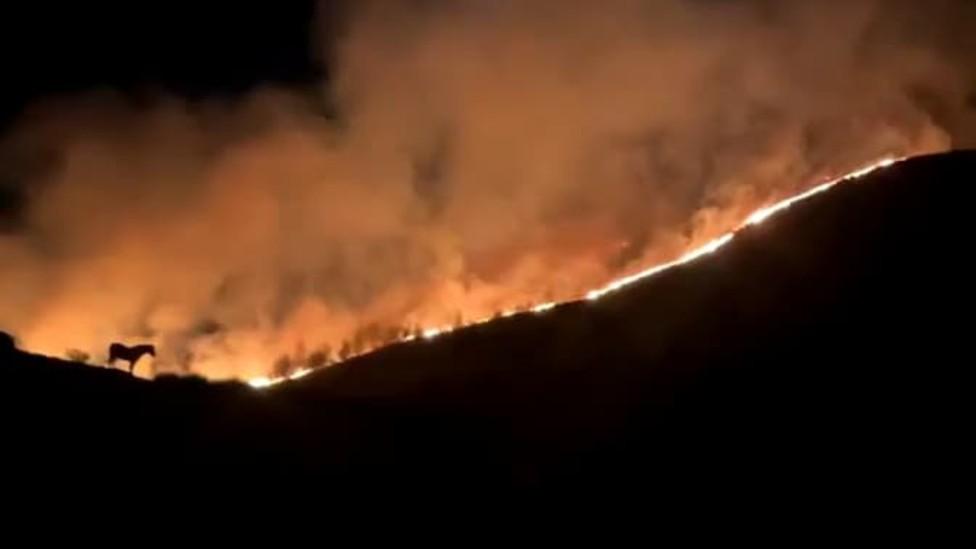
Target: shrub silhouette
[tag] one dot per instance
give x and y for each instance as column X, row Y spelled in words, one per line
column 7, row 343
column 77, row 355
column 282, row 367
column 317, row 359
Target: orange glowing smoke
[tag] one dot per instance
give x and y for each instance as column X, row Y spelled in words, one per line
column 464, row 160
column 755, row 218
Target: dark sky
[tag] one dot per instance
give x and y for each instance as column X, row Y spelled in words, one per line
column 202, row 48
column 188, row 48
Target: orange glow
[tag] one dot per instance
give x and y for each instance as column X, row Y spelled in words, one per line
column 755, row 218
column 264, row 382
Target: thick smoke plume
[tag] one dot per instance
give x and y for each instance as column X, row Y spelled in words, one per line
column 467, row 156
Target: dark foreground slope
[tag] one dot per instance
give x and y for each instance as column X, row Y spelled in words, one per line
column 828, row 349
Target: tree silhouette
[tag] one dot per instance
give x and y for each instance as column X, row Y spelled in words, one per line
column 282, row 367
column 319, row 358
column 77, row 355
column 345, row 352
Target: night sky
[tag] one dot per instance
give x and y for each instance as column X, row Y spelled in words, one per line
column 192, row 49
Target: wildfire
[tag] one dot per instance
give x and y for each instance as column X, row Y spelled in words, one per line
column 755, row 218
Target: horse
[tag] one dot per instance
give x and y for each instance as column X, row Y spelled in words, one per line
column 118, row 351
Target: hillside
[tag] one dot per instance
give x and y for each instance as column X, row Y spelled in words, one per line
column 827, row 348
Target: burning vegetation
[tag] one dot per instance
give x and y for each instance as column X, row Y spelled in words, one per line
column 284, row 372
column 466, row 161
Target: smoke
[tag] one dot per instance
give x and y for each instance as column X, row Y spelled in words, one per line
column 467, row 156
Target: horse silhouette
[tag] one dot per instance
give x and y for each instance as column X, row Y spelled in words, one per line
column 118, row 351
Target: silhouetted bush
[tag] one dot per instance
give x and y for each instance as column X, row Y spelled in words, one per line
column 317, row 359
column 345, row 352
column 282, row 367
column 76, row 355
column 7, row 343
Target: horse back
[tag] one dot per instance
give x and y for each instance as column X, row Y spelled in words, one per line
column 117, row 350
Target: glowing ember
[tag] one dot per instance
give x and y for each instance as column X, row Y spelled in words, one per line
column 763, row 214
column 300, row 374
column 539, row 309
column 263, row 382
column 688, row 257
column 757, row 217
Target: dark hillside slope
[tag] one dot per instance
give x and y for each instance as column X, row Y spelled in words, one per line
column 827, row 348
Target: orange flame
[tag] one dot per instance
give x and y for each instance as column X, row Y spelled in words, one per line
column 755, row 218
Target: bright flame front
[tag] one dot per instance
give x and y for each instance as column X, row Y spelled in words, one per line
column 755, row 218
